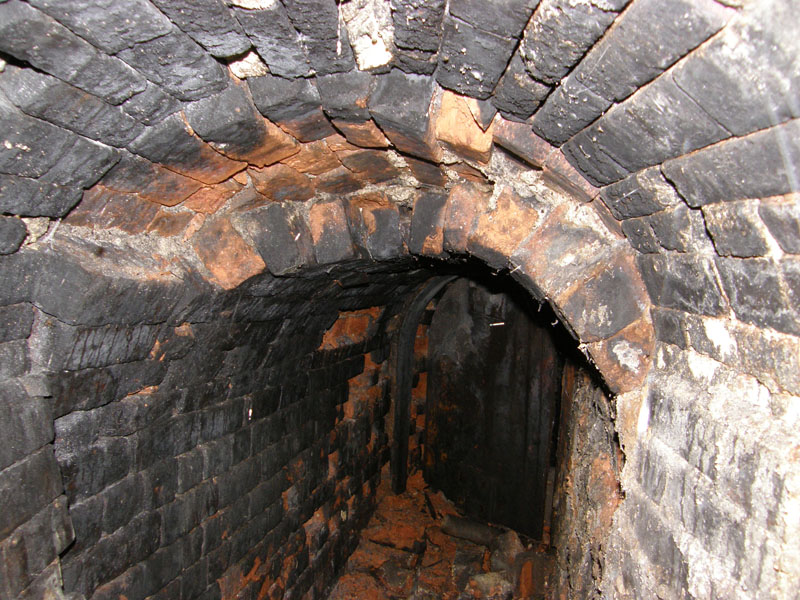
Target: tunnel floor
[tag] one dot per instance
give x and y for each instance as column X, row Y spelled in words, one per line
column 406, row 553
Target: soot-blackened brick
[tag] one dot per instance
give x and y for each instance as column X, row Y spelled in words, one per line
column 32, row 198
column 319, row 22
column 281, row 99
column 280, row 237
column 151, row 105
column 755, row 166
column 427, row 223
column 783, row 221
column 518, row 94
column 668, row 326
column 672, row 228
column 682, row 282
column 661, row 113
column 640, row 235
column 26, row 423
column 108, row 25
column 735, row 229
column 209, row 23
column 121, row 502
column 276, row 40
column 14, row 358
column 471, row 60
column 717, row 78
column 30, row 35
column 560, row 33
column 15, row 322
column 417, row 24
column 190, row 74
column 504, row 17
column 86, row 470
column 52, row 100
column 594, row 164
column 640, row 194
column 346, row 95
column 26, row 487
column 754, row 288
column 12, row 234
column 570, row 108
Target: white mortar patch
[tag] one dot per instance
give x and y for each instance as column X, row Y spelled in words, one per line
column 250, row 65
column 371, row 31
column 254, row 4
column 701, row 366
column 720, row 337
column 627, row 355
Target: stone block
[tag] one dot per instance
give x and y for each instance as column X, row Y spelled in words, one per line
column 189, row 74
column 518, row 95
column 755, row 166
column 228, row 258
column 640, row 194
column 281, row 183
column 754, row 289
column 736, row 229
column 33, row 37
column 610, row 297
column 417, row 24
column 466, row 202
column 624, row 359
column 12, row 234
column 364, row 134
column 471, row 60
column 26, row 487
column 108, row 25
column 136, row 175
column 172, row 144
column 640, row 235
column 569, row 241
column 209, row 23
column 496, row 232
column 560, row 33
column 660, row 112
column 456, row 127
column 52, row 100
column 571, row 107
column 371, row 166
column 32, row 198
column 151, row 105
column 427, row 224
column 318, row 22
column 375, row 223
column 345, row 96
column 782, row 218
column 518, row 139
column 401, row 105
column 721, row 82
column 683, row 282
column 275, row 39
column 330, row 232
column 230, row 123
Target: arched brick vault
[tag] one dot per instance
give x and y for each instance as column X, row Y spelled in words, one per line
column 634, row 163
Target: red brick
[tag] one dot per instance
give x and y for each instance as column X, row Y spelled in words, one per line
column 338, row 181
column 102, row 208
column 465, row 203
column 426, row 172
column 280, row 183
column 457, row 128
column 372, row 166
column 152, row 182
column 521, row 141
column 170, row 224
column 309, row 127
column 210, row 199
column 229, row 259
column 365, row 133
column 315, row 158
column 498, row 232
column 330, row 232
column 625, row 359
column 276, row 146
column 337, row 143
column 468, row 172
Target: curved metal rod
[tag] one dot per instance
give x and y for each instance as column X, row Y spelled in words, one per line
column 404, row 375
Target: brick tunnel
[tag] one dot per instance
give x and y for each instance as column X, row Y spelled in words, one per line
column 271, row 267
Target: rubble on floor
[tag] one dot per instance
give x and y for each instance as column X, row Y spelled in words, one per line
column 405, row 553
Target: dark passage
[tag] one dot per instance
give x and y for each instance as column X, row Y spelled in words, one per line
column 494, row 383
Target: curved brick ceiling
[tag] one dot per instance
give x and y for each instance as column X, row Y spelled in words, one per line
column 168, row 164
